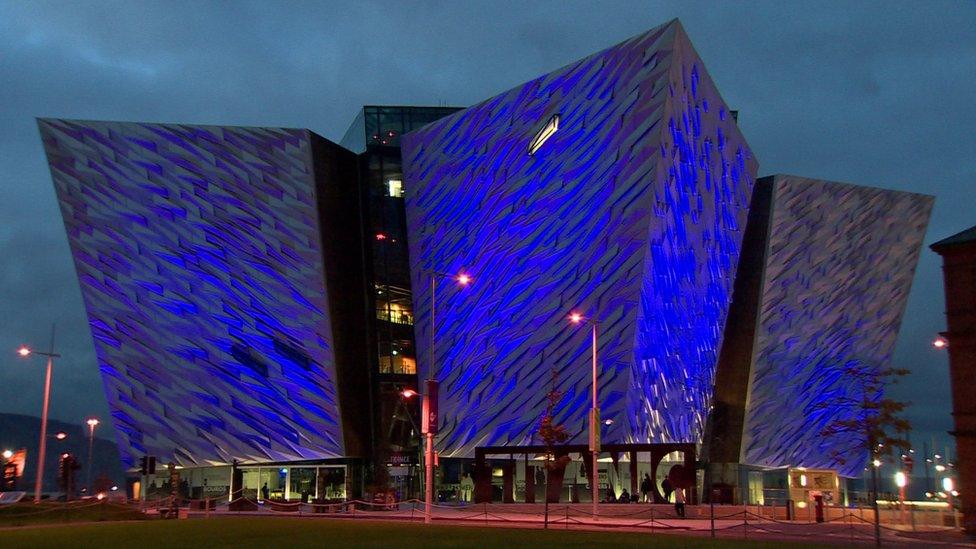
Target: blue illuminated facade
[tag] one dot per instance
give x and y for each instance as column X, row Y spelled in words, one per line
column 631, row 213
column 200, row 255
column 839, row 263
column 263, row 295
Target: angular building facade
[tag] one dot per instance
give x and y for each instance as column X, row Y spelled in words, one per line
column 262, row 296
column 824, row 282
column 209, row 260
column 632, row 213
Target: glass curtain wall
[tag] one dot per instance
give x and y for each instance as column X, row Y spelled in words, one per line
column 391, row 299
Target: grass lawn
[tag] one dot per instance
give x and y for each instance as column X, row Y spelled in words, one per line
column 310, row 532
column 27, row 514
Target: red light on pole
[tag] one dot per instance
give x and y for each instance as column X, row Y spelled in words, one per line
column 408, row 393
column 380, row 236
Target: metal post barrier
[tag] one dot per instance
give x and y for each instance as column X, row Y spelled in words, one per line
column 567, row 517
column 652, row 518
column 745, row 524
column 850, row 525
column 913, row 517
column 711, row 506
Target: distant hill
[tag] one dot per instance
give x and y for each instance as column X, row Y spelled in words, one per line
column 19, row 431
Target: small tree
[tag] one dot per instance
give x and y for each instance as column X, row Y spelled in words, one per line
column 876, row 423
column 551, row 434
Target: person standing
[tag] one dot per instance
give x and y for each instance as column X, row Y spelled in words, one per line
column 645, row 487
column 467, row 487
column 679, row 501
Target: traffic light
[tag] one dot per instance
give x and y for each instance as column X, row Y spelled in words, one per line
column 147, row 465
column 67, row 466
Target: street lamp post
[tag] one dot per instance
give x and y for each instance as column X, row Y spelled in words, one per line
column 429, row 404
column 577, row 318
column 949, row 488
column 92, row 422
column 901, row 480
column 25, row 351
column 875, row 464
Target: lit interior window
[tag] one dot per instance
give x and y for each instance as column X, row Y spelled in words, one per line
column 396, row 188
column 544, row 134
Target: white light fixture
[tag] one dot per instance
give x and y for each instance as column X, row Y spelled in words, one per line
column 947, row 484
column 544, row 134
column 803, row 480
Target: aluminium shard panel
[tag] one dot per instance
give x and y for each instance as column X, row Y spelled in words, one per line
column 199, row 257
column 630, row 213
column 839, row 265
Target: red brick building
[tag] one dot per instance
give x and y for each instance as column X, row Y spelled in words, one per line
column 959, row 270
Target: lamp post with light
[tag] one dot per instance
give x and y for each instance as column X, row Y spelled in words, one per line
column 26, row 351
column 429, row 404
column 901, row 480
column 949, row 488
column 577, row 318
column 92, row 423
column 875, row 464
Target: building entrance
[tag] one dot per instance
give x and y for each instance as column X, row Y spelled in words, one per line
column 294, row 483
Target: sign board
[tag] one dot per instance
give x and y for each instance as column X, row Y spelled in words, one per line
column 402, row 459
column 430, row 419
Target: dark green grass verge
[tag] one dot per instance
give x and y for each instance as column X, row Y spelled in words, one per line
column 28, row 514
column 309, row 532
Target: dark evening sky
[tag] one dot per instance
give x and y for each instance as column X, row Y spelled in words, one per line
column 871, row 93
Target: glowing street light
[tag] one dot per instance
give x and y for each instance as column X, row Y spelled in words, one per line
column 409, row 393
column 61, row 435
column 25, row 352
column 947, row 485
column 876, row 463
column 92, row 423
column 901, row 479
column 577, row 318
column 7, row 454
column 940, row 343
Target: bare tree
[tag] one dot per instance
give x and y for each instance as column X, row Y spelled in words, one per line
column 875, row 423
column 552, row 434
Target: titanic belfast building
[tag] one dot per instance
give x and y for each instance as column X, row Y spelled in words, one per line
column 259, row 298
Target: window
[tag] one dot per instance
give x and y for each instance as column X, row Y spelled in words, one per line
column 396, row 188
column 544, row 134
column 398, row 364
